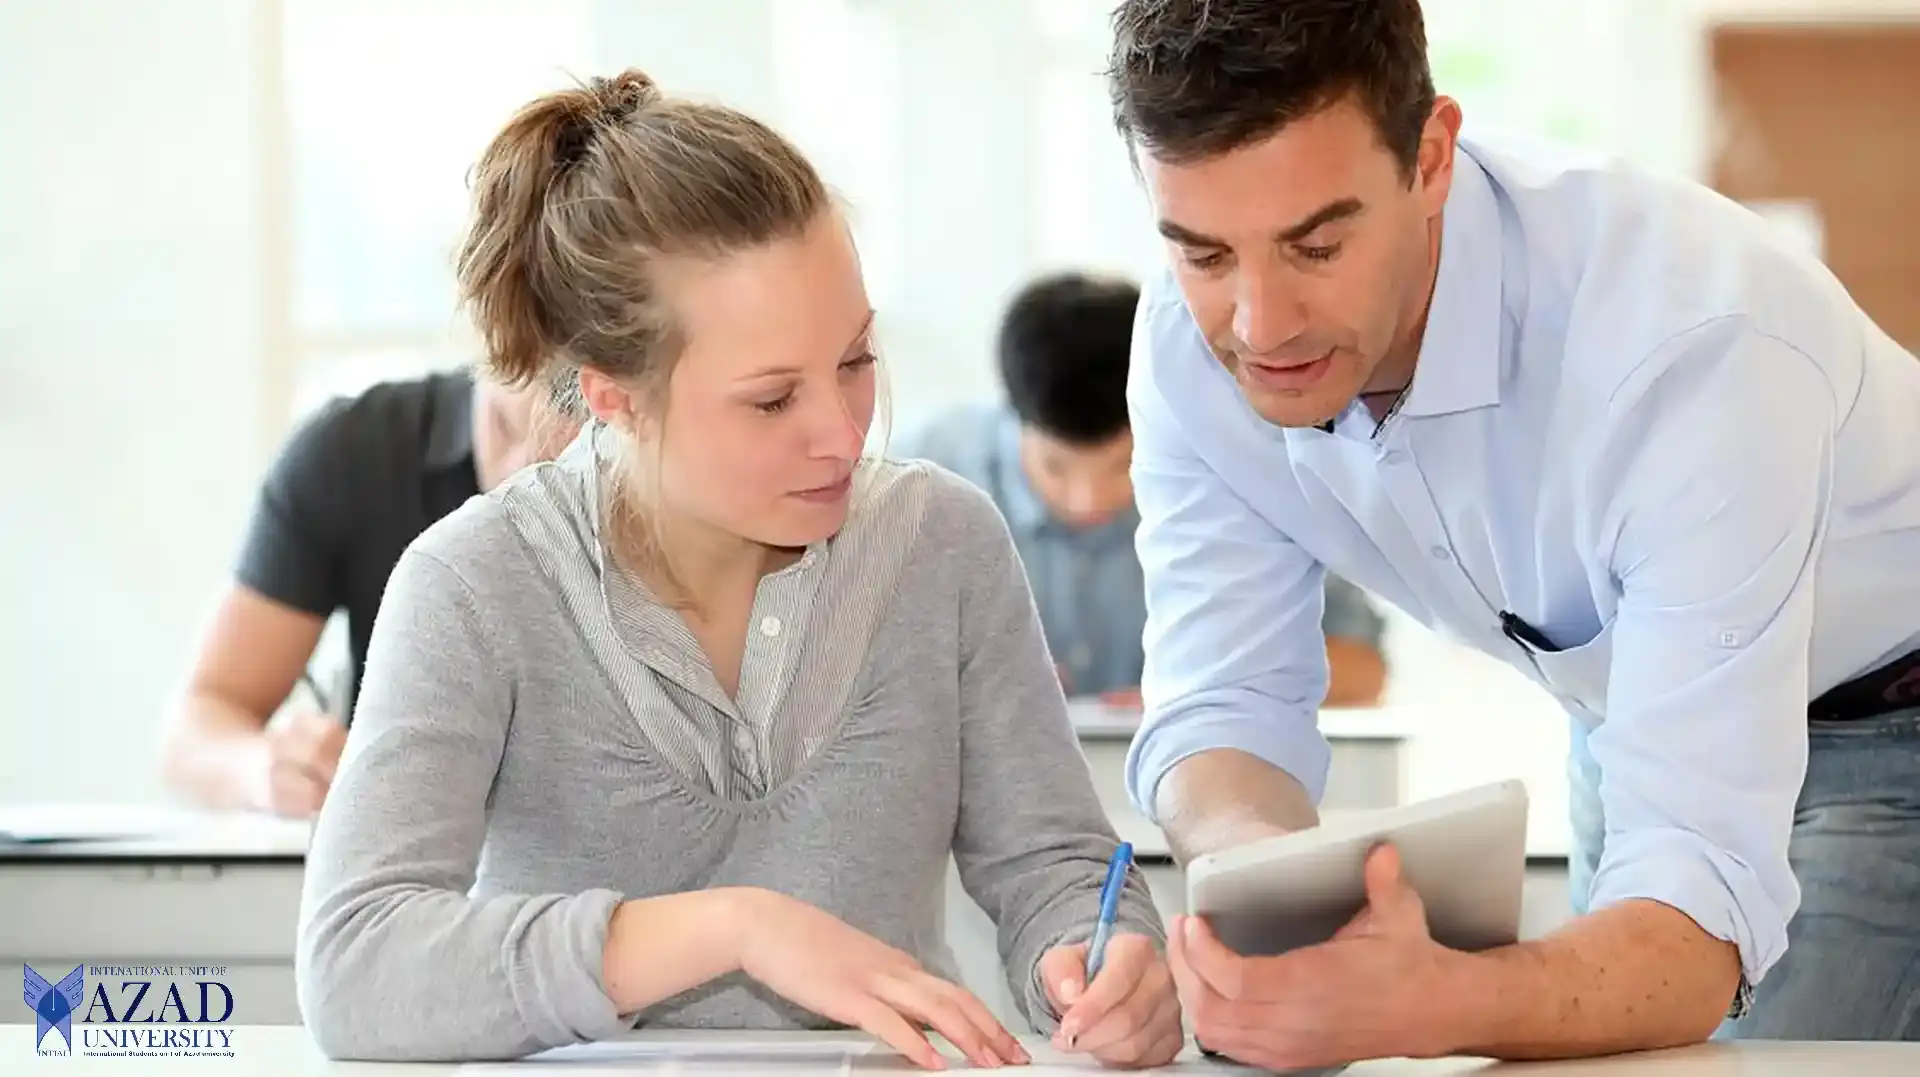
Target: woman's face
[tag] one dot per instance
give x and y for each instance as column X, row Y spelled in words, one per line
column 769, row 405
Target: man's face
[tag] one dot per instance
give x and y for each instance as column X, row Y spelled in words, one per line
column 1084, row 486
column 1306, row 258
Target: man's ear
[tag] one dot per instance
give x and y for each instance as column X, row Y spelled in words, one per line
column 1433, row 162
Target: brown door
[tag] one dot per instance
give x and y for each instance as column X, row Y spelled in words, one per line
column 1831, row 114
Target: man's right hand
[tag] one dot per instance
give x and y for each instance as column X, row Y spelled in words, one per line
column 844, row 974
column 303, row 749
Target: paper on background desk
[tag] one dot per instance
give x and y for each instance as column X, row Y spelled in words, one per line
column 36, row 823
column 1092, row 716
column 149, row 828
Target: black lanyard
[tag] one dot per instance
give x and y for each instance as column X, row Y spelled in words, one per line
column 1392, row 409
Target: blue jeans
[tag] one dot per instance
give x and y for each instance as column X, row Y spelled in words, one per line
column 1852, row 966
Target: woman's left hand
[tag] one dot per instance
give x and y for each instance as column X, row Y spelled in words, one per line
column 1129, row 1016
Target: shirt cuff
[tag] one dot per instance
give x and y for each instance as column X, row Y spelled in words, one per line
column 1715, row 888
column 561, row 990
column 1040, row 1012
column 1291, row 742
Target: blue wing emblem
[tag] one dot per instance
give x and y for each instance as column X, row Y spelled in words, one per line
column 53, row 1005
column 36, row 987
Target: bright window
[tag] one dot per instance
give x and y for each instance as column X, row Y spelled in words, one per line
column 838, row 71
column 389, row 103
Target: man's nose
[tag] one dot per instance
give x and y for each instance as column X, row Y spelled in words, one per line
column 1266, row 316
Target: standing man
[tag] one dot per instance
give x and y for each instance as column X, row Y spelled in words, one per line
column 1599, row 424
column 1054, row 457
column 357, row 483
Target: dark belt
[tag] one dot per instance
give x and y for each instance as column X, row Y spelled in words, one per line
column 1894, row 686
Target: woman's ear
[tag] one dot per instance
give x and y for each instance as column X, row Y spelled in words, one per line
column 611, row 402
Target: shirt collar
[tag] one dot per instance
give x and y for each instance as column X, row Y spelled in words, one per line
column 1460, row 353
column 450, row 422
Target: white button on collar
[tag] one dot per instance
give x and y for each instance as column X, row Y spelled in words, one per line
column 769, row 626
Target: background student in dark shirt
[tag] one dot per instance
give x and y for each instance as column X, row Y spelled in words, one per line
column 351, row 489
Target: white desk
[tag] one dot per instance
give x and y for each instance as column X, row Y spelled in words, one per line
column 200, row 889
column 282, row 1050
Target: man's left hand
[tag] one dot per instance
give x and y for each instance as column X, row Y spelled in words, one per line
column 1378, row 989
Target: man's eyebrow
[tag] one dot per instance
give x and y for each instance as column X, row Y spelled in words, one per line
column 1187, row 237
column 1337, row 210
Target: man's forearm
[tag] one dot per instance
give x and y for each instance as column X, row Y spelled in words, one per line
column 1226, row 797
column 213, row 752
column 1634, row 976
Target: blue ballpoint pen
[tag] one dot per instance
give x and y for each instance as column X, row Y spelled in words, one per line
column 1109, row 906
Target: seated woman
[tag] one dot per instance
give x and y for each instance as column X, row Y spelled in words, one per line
column 681, row 729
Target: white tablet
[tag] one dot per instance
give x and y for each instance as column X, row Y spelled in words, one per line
column 1465, row 853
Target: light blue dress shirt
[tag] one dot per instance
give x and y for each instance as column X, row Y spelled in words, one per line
column 1640, row 422
column 1086, row 582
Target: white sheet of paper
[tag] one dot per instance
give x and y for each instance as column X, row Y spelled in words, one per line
column 83, row 822
column 122, row 829
column 765, row 1054
column 702, row 1048
column 748, row 1054
column 1091, row 715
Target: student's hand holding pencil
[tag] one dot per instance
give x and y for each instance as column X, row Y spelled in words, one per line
column 1129, row 1015
column 1114, row 993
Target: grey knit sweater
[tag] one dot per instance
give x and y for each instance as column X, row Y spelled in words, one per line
column 505, row 785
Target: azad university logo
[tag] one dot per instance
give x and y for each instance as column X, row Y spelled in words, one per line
column 132, row 1011
column 53, row 1004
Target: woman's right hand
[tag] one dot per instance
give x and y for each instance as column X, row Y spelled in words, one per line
column 843, row 974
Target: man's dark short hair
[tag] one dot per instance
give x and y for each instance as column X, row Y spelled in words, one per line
column 1191, row 79
column 1062, row 348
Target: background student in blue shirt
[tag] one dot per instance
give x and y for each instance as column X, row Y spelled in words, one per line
column 1054, row 456
column 1608, row 427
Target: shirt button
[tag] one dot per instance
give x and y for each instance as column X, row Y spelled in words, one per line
column 769, row 626
column 1441, row 553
